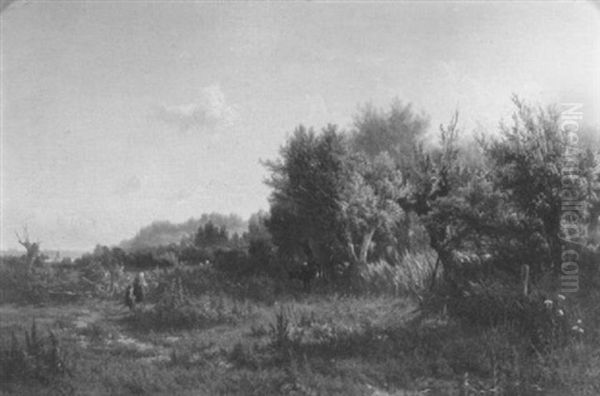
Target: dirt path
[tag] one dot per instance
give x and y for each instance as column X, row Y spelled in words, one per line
column 81, row 319
column 107, row 316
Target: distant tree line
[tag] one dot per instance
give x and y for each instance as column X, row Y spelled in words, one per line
column 161, row 233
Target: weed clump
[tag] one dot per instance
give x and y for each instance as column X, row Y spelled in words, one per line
column 36, row 358
column 279, row 331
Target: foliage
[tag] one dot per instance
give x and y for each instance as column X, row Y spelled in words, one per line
column 328, row 202
column 411, row 275
column 211, row 235
column 261, row 248
column 103, row 272
column 527, row 172
column 177, row 309
column 36, row 358
column 307, row 185
column 44, row 283
column 394, row 132
column 369, row 204
column 279, row 331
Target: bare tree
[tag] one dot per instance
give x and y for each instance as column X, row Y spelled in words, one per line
column 32, row 255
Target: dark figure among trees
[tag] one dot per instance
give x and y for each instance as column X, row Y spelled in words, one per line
column 134, row 294
column 304, row 273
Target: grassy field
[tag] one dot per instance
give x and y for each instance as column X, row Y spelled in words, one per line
column 315, row 345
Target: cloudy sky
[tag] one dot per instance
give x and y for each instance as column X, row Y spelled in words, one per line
column 115, row 114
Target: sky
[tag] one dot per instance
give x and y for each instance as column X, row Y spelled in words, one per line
column 116, row 114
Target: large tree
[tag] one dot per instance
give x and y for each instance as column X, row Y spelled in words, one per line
column 328, row 201
column 395, row 131
column 307, row 181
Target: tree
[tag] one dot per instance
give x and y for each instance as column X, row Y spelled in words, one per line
column 260, row 246
column 509, row 209
column 33, row 254
column 527, row 163
column 328, row 201
column 451, row 198
column 395, row 132
column 211, row 236
column 308, row 182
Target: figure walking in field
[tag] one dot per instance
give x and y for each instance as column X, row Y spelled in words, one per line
column 134, row 294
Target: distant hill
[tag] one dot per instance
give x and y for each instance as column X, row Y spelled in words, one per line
column 161, row 233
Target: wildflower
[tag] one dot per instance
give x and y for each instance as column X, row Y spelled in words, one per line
column 548, row 303
column 561, row 297
column 560, row 312
column 577, row 329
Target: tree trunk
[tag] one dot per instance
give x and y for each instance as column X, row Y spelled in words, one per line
column 350, row 249
column 359, row 261
column 321, row 262
column 364, row 247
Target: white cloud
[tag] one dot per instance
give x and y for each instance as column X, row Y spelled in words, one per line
column 208, row 113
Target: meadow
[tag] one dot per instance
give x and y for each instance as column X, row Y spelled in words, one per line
column 194, row 337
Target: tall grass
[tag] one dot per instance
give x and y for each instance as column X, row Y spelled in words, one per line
column 177, row 308
column 409, row 275
column 35, row 358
